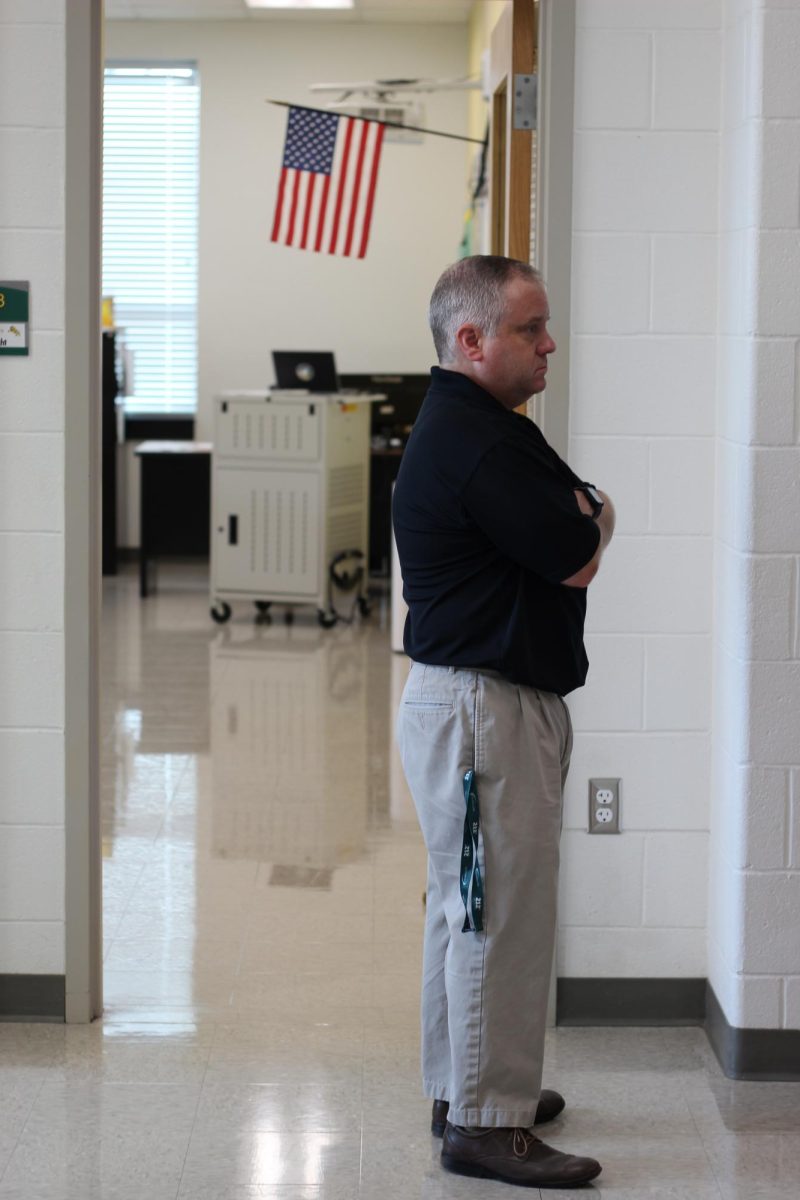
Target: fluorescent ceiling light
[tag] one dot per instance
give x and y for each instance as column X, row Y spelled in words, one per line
column 299, row 3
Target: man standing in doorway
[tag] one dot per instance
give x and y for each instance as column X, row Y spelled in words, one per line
column 498, row 540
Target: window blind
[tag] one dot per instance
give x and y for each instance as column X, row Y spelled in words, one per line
column 150, row 202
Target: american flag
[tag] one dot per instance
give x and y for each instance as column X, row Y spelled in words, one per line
column 328, row 179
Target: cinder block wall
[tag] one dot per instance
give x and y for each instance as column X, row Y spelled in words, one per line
column 754, row 920
column 642, row 427
column 31, row 494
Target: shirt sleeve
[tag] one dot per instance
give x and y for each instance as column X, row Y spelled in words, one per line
column 566, row 472
column 528, row 510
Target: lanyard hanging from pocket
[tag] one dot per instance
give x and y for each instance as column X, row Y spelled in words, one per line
column 471, row 877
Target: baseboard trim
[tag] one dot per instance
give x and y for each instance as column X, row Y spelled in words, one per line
column 630, row 1001
column 32, row 998
column 758, row 1054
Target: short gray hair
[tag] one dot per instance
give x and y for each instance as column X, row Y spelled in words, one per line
column 473, row 290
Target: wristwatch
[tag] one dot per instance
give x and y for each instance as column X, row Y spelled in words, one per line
column 593, row 496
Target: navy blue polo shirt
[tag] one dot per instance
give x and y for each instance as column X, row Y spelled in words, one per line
column 487, row 525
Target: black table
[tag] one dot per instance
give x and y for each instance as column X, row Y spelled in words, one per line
column 175, row 502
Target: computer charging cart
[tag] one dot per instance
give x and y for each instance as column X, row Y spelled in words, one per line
column 290, row 500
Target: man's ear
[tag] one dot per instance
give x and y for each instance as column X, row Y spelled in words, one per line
column 469, row 339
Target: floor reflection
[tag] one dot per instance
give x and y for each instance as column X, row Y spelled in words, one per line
column 290, row 750
column 255, row 815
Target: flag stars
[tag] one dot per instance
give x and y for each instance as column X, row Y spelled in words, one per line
column 310, row 141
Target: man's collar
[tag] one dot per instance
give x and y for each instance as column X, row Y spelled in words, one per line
column 456, row 383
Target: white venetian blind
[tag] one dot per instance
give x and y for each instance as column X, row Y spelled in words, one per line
column 150, row 197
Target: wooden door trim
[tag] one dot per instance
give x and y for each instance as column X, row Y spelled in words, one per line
column 512, row 51
column 499, row 138
column 523, row 62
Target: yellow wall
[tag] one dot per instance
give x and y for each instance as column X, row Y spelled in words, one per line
column 482, row 20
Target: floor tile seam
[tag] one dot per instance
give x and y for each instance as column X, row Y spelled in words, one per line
column 701, row 1140
column 361, row 1129
column 200, row 1091
column 124, row 912
column 237, row 970
column 21, row 1133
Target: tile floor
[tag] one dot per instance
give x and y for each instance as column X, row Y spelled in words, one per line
column 263, row 921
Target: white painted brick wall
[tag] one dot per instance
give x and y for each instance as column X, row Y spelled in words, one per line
column 601, row 880
column 615, row 70
column 612, row 698
column 778, row 308
column 777, row 83
column 792, row 1003
column 686, row 83
column 794, row 821
column 31, row 493
column 684, row 284
column 642, row 417
column 632, row 952
column 755, row 1002
column 648, row 14
column 765, row 368
column 32, row 776
column 665, row 785
column 626, row 461
column 32, row 475
column 677, row 688
column 779, row 198
column 758, row 619
column 665, row 181
column 675, row 878
column 682, row 485
column 754, row 898
column 614, row 276
column 760, row 841
column 652, row 584
column 28, row 600
column 645, row 386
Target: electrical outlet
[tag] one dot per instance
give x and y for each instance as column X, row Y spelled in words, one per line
column 604, row 805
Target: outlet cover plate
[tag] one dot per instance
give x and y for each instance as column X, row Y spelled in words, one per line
column 604, row 805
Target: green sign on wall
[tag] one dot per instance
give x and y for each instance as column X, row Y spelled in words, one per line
column 14, row 298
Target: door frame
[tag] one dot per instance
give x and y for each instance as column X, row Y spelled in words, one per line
column 82, row 579
column 555, row 145
column 545, row 39
column 83, row 916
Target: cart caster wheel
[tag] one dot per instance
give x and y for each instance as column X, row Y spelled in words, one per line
column 288, row 616
column 263, row 607
column 326, row 620
column 221, row 613
column 364, row 606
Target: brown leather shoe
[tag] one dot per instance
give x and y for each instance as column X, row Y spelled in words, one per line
column 550, row 1105
column 514, row 1156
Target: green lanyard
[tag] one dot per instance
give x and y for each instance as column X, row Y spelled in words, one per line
column 471, row 878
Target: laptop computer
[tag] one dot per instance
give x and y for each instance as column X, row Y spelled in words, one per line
column 309, row 370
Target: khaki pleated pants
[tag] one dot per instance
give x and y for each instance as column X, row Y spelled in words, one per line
column 484, row 994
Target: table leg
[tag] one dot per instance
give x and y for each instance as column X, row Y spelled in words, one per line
column 143, row 531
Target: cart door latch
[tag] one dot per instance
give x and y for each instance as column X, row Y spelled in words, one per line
column 233, row 530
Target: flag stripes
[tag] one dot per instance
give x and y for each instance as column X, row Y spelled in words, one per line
column 324, row 203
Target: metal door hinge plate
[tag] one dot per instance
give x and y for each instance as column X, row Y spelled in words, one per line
column 525, row 94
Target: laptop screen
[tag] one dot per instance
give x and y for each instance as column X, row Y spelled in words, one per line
column 312, row 370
